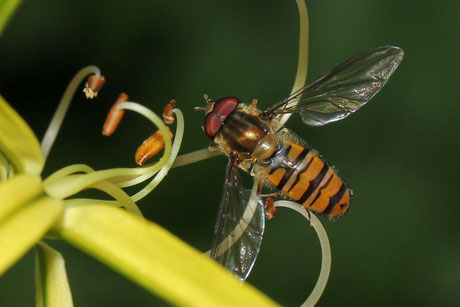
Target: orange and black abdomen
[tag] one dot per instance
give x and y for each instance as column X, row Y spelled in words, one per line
column 307, row 179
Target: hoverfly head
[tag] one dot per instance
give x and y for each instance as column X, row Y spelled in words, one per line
column 216, row 113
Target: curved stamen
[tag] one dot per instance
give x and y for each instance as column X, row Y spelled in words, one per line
column 106, row 186
column 302, row 64
column 196, row 156
column 164, row 170
column 58, row 117
column 150, row 147
column 73, row 184
column 115, row 116
column 66, row 171
column 325, row 250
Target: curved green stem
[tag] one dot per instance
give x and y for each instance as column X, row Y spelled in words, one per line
column 164, row 170
column 123, row 199
column 66, row 171
column 73, row 184
column 58, row 117
column 325, row 250
column 106, row 186
column 302, row 64
column 196, row 156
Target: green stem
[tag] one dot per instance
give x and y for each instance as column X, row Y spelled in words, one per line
column 66, row 171
column 302, row 64
column 123, row 199
column 164, row 170
column 196, row 156
column 325, row 250
column 73, row 184
column 58, row 117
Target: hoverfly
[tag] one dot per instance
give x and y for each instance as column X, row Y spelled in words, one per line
column 254, row 142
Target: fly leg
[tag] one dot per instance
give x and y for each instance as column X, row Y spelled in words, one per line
column 274, row 194
column 270, row 209
column 269, row 203
column 213, row 147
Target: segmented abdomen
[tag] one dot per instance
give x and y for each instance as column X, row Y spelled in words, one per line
column 300, row 174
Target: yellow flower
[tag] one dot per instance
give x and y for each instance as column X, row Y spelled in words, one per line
column 32, row 209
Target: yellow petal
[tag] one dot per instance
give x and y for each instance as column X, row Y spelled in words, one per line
column 24, row 227
column 7, row 8
column 17, row 191
column 154, row 258
column 52, row 286
column 18, row 143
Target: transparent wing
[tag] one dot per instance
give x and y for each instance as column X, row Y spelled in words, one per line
column 239, row 227
column 344, row 89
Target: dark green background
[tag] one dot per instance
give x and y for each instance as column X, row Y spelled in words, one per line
column 398, row 246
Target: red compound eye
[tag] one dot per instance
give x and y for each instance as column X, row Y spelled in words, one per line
column 212, row 124
column 215, row 119
column 225, row 106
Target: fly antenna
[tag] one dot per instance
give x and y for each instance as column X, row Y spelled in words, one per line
column 209, row 105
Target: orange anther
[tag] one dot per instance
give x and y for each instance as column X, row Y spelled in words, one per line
column 93, row 85
column 168, row 114
column 114, row 117
column 270, row 209
column 150, row 147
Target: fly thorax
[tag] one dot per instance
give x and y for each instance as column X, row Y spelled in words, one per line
column 243, row 133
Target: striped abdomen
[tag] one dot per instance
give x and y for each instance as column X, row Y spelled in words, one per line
column 300, row 174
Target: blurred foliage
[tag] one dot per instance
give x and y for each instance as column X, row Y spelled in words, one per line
column 399, row 245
